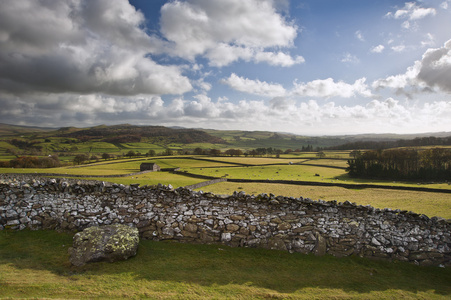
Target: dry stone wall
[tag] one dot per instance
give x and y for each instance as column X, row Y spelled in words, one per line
column 292, row 224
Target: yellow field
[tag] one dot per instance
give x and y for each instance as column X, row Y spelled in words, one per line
column 430, row 204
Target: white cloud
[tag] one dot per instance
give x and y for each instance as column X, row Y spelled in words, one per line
column 255, row 87
column 227, row 30
column 412, row 12
column 444, row 4
column 329, row 88
column 428, row 41
column 359, row 36
column 349, row 58
column 278, row 114
column 378, row 49
column 400, row 81
column 81, row 46
column 278, row 59
column 432, row 71
column 435, row 68
column 399, row 48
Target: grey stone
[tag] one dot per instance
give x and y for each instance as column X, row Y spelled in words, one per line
column 110, row 243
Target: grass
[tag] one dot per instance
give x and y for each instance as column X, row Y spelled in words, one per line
column 278, row 172
column 152, row 178
column 35, row 265
column 430, row 204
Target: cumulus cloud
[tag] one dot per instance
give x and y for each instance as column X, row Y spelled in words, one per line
column 432, row 71
column 255, row 87
column 82, row 47
column 278, row 59
column 227, row 30
column 327, row 88
column 435, row 68
column 278, row 114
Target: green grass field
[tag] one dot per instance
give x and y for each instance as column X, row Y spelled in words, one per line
column 430, row 204
column 152, row 178
column 35, row 264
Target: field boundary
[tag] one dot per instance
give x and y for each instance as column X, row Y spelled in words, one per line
column 315, row 183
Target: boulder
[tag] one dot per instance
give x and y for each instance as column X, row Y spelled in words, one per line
column 105, row 243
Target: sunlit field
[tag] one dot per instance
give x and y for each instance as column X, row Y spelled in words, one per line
column 430, row 204
column 265, row 169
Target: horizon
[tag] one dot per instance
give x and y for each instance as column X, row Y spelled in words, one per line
column 417, row 134
column 312, row 68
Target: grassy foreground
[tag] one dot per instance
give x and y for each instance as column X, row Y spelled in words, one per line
column 34, row 264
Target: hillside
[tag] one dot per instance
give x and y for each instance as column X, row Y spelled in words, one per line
column 13, row 130
column 126, row 133
column 119, row 138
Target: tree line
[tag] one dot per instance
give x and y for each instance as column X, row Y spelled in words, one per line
column 416, row 142
column 399, row 164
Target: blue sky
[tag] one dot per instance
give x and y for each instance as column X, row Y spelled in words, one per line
column 322, row 67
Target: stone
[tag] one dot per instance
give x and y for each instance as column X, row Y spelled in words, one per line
column 284, row 226
column 190, row 227
column 104, row 243
column 232, row 227
column 320, row 245
column 276, row 243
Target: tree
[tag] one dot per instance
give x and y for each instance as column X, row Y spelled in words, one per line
column 321, row 154
column 215, row 152
column 105, row 156
column 198, row 151
column 168, row 152
column 151, row 153
column 130, row 153
column 80, row 158
column 355, row 153
column 234, row 152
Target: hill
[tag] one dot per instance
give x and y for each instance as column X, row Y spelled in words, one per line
column 16, row 139
column 126, row 133
column 13, row 130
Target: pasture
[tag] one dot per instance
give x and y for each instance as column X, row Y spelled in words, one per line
column 264, row 168
column 34, row 264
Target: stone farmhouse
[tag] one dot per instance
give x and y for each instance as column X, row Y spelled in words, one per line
column 149, row 167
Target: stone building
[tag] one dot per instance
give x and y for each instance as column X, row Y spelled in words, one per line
column 149, row 167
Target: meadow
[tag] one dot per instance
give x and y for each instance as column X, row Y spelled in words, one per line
column 35, row 264
column 325, row 170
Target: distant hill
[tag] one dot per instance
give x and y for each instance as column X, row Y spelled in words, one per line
column 12, row 130
column 126, row 133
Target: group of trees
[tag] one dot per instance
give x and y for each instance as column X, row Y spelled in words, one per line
column 430, row 164
column 51, row 161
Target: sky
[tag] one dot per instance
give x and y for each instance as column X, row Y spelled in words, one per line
column 313, row 67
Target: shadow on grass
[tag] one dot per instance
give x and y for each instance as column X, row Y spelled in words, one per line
column 218, row 265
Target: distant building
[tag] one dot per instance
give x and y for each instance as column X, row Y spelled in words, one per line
column 149, row 167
